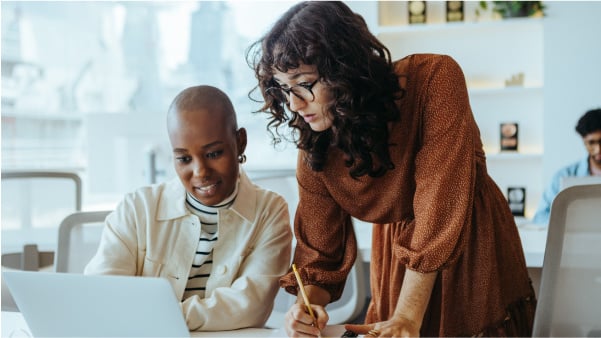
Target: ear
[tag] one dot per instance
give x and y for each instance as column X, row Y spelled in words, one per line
column 241, row 140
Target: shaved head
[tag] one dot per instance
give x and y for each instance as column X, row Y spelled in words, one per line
column 202, row 98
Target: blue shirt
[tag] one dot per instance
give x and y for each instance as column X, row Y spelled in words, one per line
column 580, row 168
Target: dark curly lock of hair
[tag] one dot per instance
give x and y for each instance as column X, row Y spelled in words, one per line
column 353, row 65
column 590, row 122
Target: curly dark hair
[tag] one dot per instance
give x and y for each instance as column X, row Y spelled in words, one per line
column 353, row 65
column 589, row 122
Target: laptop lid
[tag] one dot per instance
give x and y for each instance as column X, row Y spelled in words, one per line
column 69, row 305
column 570, row 181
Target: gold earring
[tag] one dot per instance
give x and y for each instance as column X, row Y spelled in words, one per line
column 242, row 158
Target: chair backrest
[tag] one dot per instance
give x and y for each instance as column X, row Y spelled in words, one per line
column 570, row 293
column 54, row 175
column 78, row 239
column 353, row 298
column 33, row 204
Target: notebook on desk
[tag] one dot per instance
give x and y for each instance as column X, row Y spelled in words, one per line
column 77, row 305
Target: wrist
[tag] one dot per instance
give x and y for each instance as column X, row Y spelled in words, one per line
column 316, row 295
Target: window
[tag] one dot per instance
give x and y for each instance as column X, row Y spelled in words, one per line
column 86, row 86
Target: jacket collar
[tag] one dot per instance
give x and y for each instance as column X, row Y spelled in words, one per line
column 172, row 202
column 583, row 167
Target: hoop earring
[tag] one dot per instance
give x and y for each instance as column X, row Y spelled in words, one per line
column 242, row 158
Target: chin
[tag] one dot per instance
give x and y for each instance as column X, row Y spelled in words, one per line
column 321, row 127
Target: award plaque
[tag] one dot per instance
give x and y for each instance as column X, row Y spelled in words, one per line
column 417, row 12
column 509, row 136
column 516, row 197
column 454, row 11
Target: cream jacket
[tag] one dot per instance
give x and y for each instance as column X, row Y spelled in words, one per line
column 152, row 233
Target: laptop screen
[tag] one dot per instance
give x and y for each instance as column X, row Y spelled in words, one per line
column 77, row 305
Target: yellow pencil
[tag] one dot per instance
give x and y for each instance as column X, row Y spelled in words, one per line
column 302, row 290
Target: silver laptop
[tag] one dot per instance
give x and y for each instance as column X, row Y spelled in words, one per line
column 570, row 181
column 77, row 305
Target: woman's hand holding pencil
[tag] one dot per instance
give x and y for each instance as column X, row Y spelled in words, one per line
column 296, row 316
column 304, row 295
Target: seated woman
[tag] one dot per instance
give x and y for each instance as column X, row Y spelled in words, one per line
column 221, row 241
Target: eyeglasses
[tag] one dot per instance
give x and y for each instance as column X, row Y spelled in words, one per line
column 592, row 142
column 303, row 91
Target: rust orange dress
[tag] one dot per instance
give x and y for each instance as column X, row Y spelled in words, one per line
column 437, row 210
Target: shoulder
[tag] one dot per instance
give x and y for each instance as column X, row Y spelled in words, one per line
column 424, row 63
column 270, row 210
column 424, row 73
column 166, row 195
column 571, row 169
column 267, row 197
column 579, row 168
column 257, row 200
column 150, row 193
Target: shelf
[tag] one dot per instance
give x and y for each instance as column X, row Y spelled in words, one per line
column 497, row 90
column 42, row 117
column 514, row 155
column 454, row 27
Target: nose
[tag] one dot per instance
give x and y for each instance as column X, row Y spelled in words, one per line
column 200, row 169
column 296, row 102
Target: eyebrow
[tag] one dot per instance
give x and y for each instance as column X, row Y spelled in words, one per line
column 212, row 144
column 297, row 75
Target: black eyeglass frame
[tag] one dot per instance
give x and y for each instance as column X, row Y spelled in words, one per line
column 288, row 91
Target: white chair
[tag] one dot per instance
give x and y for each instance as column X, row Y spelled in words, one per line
column 33, row 204
column 78, row 239
column 354, row 297
column 569, row 302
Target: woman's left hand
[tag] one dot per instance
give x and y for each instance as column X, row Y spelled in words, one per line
column 396, row 328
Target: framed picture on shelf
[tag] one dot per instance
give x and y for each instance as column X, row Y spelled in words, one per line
column 509, row 136
column 516, row 197
column 417, row 12
column 454, row 11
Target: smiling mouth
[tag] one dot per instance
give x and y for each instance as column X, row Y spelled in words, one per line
column 207, row 190
column 207, row 187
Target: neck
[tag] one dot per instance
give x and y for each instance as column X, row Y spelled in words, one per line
column 594, row 167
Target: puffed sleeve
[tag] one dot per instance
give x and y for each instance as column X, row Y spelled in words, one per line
column 445, row 169
column 326, row 248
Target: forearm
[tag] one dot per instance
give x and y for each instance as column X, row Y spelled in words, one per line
column 415, row 295
column 244, row 301
column 316, row 295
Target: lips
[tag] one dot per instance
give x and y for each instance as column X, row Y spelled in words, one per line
column 309, row 118
column 207, row 189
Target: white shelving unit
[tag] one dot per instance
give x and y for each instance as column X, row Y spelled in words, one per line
column 489, row 53
column 40, row 140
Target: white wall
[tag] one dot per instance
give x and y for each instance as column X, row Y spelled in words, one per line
column 572, row 71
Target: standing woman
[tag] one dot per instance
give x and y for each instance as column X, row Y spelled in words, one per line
column 395, row 144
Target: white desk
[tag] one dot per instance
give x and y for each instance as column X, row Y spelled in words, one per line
column 14, row 326
column 533, row 237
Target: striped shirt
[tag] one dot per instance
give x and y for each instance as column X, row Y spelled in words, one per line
column 209, row 229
